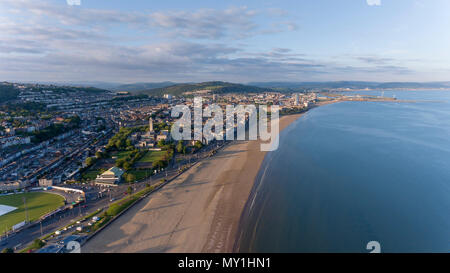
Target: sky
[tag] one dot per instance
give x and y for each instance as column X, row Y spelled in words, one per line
column 238, row 41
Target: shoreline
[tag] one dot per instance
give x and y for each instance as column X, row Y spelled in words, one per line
column 285, row 121
column 231, row 209
column 200, row 211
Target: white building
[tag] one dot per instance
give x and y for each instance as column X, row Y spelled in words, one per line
column 111, row 177
column 45, row 182
column 296, row 100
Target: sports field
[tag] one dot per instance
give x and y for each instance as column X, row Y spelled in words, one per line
column 152, row 156
column 38, row 204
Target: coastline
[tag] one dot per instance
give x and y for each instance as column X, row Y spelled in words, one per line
column 224, row 230
column 200, row 211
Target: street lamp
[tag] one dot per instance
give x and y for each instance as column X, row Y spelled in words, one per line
column 26, row 210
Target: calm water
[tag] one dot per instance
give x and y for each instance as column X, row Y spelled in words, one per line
column 353, row 172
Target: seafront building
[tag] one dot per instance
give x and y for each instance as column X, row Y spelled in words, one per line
column 296, row 100
column 111, row 177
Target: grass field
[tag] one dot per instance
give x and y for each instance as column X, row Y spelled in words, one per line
column 38, row 204
column 141, row 174
column 122, row 154
column 152, row 156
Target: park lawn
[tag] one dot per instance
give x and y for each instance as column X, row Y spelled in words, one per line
column 122, row 154
column 141, row 174
column 38, row 204
column 152, row 156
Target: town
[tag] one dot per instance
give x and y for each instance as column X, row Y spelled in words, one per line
column 95, row 148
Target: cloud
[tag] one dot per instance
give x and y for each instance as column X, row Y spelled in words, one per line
column 206, row 23
column 374, row 60
column 44, row 42
column 178, row 61
column 233, row 22
column 373, row 2
column 175, row 60
column 74, row 2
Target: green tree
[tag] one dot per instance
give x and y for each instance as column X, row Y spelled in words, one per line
column 130, row 178
column 99, row 154
column 118, row 144
column 38, row 243
column 159, row 164
column 120, row 162
column 180, row 146
column 198, row 144
column 126, row 165
column 90, row 161
column 8, row 250
column 161, row 143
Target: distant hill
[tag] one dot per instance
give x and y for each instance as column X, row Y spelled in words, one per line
column 305, row 86
column 135, row 87
column 414, row 85
column 113, row 86
column 216, row 87
column 10, row 91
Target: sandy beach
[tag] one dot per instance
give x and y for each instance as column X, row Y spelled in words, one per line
column 197, row 212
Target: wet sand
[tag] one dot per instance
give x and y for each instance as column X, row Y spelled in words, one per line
column 197, row 212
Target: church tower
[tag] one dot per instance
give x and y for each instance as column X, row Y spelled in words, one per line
column 150, row 125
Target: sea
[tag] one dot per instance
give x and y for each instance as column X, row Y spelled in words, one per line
column 356, row 177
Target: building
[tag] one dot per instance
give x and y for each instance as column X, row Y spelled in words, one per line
column 111, row 177
column 150, row 125
column 10, row 131
column 45, row 182
column 161, row 137
column 13, row 185
column 12, row 141
column 146, row 143
column 296, row 100
column 147, row 139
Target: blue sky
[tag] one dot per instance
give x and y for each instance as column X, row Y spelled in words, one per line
column 238, row 41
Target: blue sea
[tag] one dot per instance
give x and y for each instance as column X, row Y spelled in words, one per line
column 349, row 173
